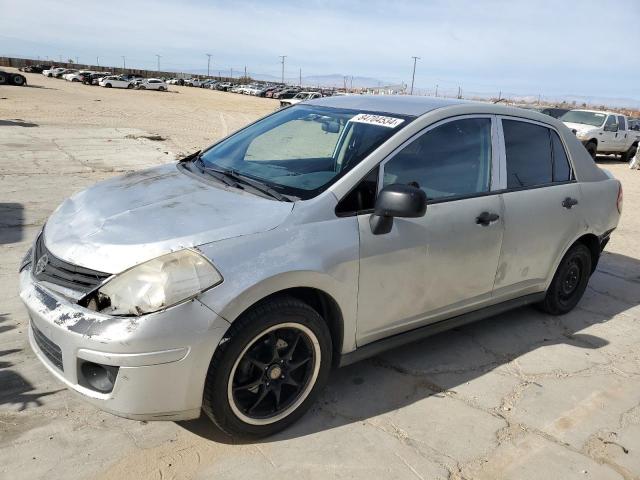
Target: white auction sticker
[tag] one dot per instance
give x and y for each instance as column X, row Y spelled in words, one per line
column 381, row 120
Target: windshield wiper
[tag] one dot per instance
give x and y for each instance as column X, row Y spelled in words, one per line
column 235, row 179
column 256, row 184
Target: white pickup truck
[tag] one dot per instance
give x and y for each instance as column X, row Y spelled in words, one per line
column 603, row 132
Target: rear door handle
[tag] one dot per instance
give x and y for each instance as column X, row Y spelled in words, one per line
column 486, row 218
column 569, row 202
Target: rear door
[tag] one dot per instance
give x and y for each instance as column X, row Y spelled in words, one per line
column 622, row 135
column 541, row 207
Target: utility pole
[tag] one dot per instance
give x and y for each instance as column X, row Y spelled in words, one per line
column 436, row 90
column 208, row 62
column 231, row 73
column 97, row 61
column 344, row 81
column 283, row 57
column 300, row 77
column 245, row 74
column 158, row 58
column 352, row 82
column 413, row 77
column 459, row 92
column 124, row 63
column 77, row 62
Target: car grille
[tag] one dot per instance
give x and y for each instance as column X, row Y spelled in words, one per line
column 48, row 348
column 49, row 268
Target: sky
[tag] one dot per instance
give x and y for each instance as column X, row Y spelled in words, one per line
column 534, row 47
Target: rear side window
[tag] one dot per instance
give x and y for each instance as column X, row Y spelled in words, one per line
column 622, row 124
column 561, row 168
column 528, row 149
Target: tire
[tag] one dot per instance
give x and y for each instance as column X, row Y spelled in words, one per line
column 592, row 148
column 236, row 385
column 108, row 85
column 3, row 78
column 569, row 282
column 130, row 85
column 18, row 80
column 74, row 80
column 161, row 89
column 142, row 87
column 629, row 154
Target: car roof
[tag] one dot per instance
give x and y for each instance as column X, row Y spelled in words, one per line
column 398, row 104
column 595, row 111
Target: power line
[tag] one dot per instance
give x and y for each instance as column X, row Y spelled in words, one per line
column 413, row 77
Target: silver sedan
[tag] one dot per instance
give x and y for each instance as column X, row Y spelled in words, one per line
column 234, row 280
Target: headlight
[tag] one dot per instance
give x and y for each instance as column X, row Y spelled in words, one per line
column 26, row 260
column 155, row 284
column 583, row 133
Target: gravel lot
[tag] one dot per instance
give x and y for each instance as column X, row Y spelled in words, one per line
column 518, row 396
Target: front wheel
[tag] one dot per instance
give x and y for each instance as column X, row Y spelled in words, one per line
column 569, row 282
column 592, row 148
column 142, row 87
column 275, row 362
column 18, row 80
column 108, row 85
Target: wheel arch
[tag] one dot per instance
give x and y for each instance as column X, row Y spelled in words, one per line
column 318, row 299
column 592, row 242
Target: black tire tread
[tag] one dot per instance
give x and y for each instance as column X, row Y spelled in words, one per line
column 246, row 321
column 550, row 304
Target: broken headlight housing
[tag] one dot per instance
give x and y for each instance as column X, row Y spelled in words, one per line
column 154, row 285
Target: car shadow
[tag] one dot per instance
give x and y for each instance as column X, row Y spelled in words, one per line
column 11, row 223
column 440, row 364
column 14, row 388
column 17, row 123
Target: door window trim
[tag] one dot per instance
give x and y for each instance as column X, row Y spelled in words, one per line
column 503, row 155
column 494, row 178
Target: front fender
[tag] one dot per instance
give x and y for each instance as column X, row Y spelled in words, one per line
column 321, row 255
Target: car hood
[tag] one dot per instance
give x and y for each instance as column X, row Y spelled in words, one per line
column 124, row 221
column 580, row 127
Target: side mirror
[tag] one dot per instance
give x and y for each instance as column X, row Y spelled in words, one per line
column 396, row 201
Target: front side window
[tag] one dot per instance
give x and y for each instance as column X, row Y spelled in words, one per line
column 528, row 150
column 300, row 151
column 611, row 121
column 451, row 160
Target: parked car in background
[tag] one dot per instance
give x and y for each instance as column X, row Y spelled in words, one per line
column 152, row 84
column 34, row 68
column 223, row 86
column 11, row 78
column 603, row 132
column 115, row 81
column 76, row 76
column 192, row 82
column 233, row 281
column 286, row 93
column 53, row 72
column 554, row 112
column 94, row 78
column 65, row 72
column 300, row 97
column 634, row 124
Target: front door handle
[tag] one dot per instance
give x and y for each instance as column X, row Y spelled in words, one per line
column 486, row 218
column 569, row 202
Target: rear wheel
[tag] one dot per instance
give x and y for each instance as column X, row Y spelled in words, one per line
column 3, row 78
column 569, row 282
column 161, row 89
column 17, row 80
column 108, row 85
column 269, row 372
column 592, row 148
column 142, row 87
column 629, row 154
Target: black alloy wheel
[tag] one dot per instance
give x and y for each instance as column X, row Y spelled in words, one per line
column 269, row 369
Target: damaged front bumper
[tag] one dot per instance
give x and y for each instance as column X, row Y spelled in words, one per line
column 156, row 363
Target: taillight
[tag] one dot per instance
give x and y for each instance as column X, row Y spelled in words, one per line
column 619, row 201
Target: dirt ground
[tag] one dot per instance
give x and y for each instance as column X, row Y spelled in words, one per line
column 519, row 396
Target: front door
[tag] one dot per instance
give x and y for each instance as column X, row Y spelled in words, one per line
column 436, row 266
